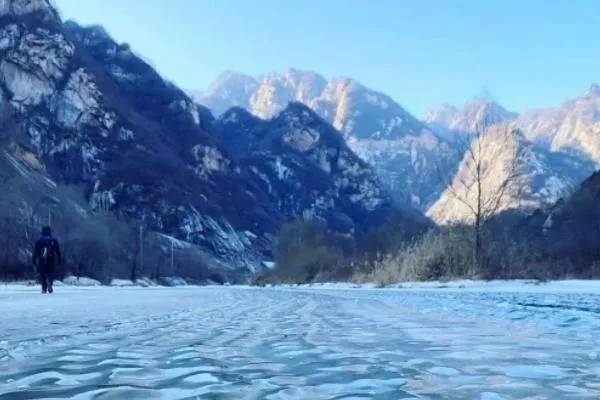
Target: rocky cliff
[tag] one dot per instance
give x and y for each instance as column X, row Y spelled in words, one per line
column 85, row 110
column 571, row 126
column 500, row 171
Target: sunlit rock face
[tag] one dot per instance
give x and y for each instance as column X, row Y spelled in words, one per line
column 504, row 171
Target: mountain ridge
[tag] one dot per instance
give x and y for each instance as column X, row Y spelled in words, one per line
column 475, row 115
column 400, row 147
column 572, row 125
column 406, row 153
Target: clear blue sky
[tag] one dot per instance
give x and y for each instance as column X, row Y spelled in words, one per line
column 528, row 53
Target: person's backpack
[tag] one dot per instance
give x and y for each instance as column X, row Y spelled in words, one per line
column 47, row 251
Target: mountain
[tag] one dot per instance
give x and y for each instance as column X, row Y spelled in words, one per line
column 349, row 106
column 230, row 89
column 563, row 149
column 573, row 125
column 305, row 166
column 568, row 232
column 514, row 174
column 403, row 150
column 85, row 110
column 449, row 121
column 440, row 119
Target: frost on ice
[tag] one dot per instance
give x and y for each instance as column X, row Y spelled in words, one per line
column 297, row 343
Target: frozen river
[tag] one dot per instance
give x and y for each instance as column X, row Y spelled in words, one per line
column 298, row 343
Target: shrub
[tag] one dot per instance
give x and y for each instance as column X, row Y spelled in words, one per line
column 307, row 251
column 435, row 256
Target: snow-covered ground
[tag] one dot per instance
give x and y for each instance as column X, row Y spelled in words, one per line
column 299, row 343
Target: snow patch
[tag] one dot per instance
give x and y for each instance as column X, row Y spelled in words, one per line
column 250, row 235
column 126, row 134
column 117, row 72
column 91, row 160
column 175, row 281
column 467, row 285
column 103, row 200
column 179, row 244
column 282, row 171
column 122, row 283
column 81, row 281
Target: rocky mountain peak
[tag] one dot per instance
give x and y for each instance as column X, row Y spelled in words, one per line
column 593, row 90
column 487, row 113
column 275, row 90
column 229, row 79
column 297, row 112
column 475, row 115
column 298, row 75
column 305, row 164
column 441, row 112
column 20, row 8
column 230, row 89
column 572, row 125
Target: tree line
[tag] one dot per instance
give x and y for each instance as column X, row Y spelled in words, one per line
column 100, row 245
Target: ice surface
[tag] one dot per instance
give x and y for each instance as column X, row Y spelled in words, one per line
column 525, row 286
column 298, row 343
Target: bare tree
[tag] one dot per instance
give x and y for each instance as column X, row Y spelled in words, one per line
column 490, row 178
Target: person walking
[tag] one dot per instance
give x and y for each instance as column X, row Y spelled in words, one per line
column 45, row 254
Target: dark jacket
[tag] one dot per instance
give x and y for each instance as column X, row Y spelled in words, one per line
column 47, row 250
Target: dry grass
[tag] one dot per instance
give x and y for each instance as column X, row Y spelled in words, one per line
column 434, row 257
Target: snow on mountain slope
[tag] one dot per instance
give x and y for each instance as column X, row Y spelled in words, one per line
column 541, row 177
column 306, row 167
column 401, row 148
column 449, row 121
column 572, row 125
column 552, row 169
